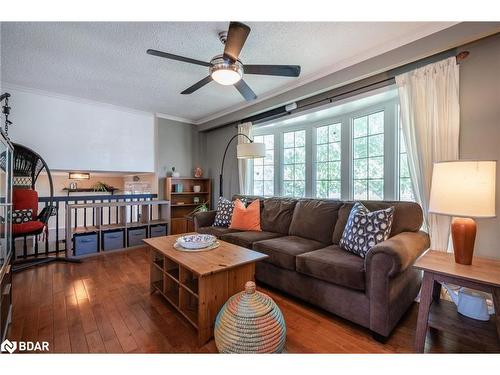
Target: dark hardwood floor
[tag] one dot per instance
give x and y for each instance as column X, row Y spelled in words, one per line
column 103, row 305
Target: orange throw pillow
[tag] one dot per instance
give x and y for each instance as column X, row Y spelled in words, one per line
column 246, row 218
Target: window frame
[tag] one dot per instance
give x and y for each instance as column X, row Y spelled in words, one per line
column 391, row 149
column 314, row 129
column 252, row 165
column 282, row 165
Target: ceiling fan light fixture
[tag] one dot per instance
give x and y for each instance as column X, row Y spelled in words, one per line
column 226, row 77
column 225, row 72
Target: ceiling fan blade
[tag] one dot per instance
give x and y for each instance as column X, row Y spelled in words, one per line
column 245, row 90
column 197, row 85
column 273, row 70
column 236, row 37
column 176, row 57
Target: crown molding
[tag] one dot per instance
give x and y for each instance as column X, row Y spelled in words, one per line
column 175, row 118
column 6, row 86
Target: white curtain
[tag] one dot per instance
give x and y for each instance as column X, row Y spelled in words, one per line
column 430, row 116
column 244, row 164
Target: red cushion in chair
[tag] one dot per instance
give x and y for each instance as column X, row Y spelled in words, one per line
column 24, row 199
column 27, row 228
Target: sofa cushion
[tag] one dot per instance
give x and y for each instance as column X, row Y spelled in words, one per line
column 246, row 239
column 276, row 214
column 315, row 219
column 224, row 213
column 283, row 250
column 246, row 218
column 334, row 265
column 216, row 231
column 408, row 217
column 365, row 229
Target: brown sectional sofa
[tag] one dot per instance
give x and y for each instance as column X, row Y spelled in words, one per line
column 301, row 237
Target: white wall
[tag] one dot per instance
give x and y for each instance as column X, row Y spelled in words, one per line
column 74, row 134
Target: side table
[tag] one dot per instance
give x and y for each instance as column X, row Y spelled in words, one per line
column 483, row 274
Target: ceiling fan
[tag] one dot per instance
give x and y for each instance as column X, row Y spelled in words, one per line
column 227, row 69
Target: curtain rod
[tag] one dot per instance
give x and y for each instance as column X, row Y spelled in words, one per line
column 366, row 84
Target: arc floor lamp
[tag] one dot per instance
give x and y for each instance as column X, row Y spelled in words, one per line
column 250, row 150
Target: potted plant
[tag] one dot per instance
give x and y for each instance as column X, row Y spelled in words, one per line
column 203, row 207
column 101, row 186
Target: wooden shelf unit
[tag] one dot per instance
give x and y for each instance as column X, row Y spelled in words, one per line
column 179, row 222
column 147, row 214
column 177, row 284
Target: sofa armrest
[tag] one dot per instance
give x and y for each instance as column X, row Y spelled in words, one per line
column 204, row 219
column 391, row 282
column 400, row 252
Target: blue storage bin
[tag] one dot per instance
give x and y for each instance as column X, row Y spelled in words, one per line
column 136, row 235
column 113, row 239
column 85, row 243
column 158, row 230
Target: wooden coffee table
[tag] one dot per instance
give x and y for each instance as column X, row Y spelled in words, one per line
column 197, row 284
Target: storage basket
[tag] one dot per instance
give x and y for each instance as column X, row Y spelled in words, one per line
column 250, row 322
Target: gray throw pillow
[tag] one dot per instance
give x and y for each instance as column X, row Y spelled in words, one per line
column 224, row 213
column 365, row 229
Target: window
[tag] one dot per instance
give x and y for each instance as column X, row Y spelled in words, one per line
column 294, row 163
column 405, row 187
column 263, row 169
column 328, row 163
column 352, row 150
column 368, row 156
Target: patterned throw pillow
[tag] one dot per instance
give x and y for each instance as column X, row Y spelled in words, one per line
column 365, row 229
column 224, row 213
column 22, row 216
column 246, row 201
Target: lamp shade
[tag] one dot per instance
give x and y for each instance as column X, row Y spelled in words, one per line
column 251, row 150
column 463, row 188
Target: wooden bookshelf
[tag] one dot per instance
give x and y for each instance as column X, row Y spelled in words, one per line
column 182, row 202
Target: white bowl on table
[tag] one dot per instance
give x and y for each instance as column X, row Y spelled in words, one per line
column 196, row 241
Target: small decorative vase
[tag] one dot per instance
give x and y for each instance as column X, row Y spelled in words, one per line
column 198, row 172
column 175, row 174
column 196, row 188
column 250, row 322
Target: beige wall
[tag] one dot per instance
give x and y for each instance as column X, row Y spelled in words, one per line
column 148, row 179
column 480, row 125
column 61, row 180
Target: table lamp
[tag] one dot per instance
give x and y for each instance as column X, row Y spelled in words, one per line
column 463, row 189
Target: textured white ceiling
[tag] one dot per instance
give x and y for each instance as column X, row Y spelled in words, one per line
column 107, row 62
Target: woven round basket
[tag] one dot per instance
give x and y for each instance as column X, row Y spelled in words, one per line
column 250, row 322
